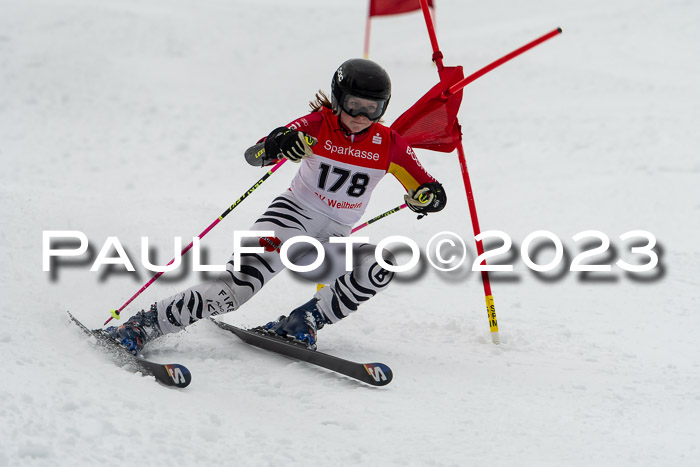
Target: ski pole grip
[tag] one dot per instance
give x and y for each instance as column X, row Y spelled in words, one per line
column 310, row 140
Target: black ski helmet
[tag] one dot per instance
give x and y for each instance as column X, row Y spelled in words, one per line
column 363, row 78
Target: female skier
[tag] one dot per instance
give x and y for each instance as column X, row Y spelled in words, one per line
column 326, row 198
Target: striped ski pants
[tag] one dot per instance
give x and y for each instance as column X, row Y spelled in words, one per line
column 288, row 218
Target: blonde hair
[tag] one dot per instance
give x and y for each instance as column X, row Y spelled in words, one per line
column 320, row 100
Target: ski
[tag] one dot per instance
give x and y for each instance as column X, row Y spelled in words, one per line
column 170, row 375
column 374, row 374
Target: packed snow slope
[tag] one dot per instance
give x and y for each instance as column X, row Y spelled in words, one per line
column 128, row 118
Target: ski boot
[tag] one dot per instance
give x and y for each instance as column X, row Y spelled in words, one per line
column 301, row 324
column 137, row 331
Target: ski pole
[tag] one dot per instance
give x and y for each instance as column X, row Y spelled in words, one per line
column 365, row 224
column 253, row 150
column 375, row 219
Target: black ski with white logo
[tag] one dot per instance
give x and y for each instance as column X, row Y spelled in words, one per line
column 375, row 374
column 170, row 375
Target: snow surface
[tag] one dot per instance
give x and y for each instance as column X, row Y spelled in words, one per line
column 128, row 118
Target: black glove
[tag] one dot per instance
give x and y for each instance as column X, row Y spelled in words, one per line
column 292, row 144
column 429, row 197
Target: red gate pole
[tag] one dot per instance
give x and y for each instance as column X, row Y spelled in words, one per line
column 458, row 86
column 455, row 88
column 437, row 55
column 367, row 26
column 490, row 307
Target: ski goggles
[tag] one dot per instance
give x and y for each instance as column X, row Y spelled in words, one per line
column 367, row 106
